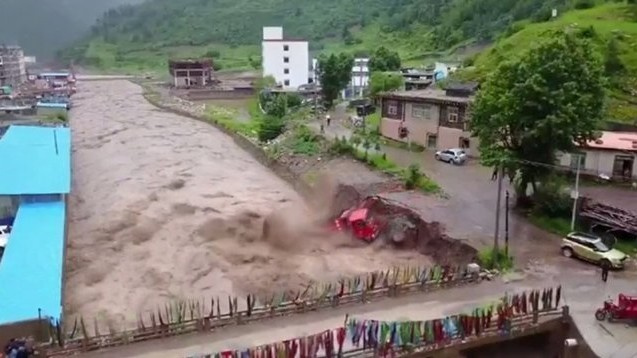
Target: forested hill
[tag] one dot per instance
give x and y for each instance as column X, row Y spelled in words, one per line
column 238, row 22
column 360, row 24
column 43, row 26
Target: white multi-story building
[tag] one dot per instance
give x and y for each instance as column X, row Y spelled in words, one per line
column 287, row 60
column 12, row 66
column 359, row 80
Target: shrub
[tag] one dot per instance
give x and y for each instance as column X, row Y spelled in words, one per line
column 270, row 128
column 551, row 199
column 412, row 176
column 490, row 259
column 340, row 147
column 305, row 141
column 584, row 4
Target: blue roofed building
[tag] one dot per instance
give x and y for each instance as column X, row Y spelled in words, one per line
column 33, row 189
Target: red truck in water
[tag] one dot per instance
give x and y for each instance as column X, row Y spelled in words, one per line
column 358, row 222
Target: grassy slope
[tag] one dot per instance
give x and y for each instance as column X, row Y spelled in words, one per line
column 608, row 20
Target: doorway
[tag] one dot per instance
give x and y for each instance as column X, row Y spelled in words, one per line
column 623, row 166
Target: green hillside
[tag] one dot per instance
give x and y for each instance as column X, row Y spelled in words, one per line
column 141, row 37
column 612, row 27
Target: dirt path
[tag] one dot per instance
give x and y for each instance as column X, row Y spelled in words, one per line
column 164, row 207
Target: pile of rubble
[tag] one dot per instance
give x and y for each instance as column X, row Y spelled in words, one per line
column 403, row 228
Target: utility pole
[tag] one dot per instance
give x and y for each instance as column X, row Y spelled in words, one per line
column 575, row 193
column 496, row 235
column 506, row 224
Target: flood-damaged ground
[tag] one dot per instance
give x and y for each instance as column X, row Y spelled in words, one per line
column 164, row 207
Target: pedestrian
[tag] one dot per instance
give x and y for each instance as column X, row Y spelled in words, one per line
column 322, row 128
column 605, row 269
column 494, row 176
column 328, row 119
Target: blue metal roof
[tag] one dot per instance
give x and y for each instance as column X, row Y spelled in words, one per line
column 35, row 160
column 31, row 268
column 51, row 105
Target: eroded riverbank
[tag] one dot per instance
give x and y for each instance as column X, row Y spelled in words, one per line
column 165, row 207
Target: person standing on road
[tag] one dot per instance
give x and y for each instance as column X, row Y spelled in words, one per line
column 328, row 119
column 605, row 269
column 494, row 176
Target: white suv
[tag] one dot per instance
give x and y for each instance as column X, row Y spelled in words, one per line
column 454, row 155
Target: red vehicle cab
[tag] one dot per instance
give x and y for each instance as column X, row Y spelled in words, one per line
column 359, row 223
column 626, row 308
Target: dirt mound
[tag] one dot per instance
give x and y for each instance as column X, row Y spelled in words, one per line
column 402, row 227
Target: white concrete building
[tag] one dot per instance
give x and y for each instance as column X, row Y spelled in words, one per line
column 359, row 80
column 12, row 66
column 614, row 154
column 287, row 60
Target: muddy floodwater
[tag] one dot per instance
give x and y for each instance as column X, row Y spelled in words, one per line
column 165, row 207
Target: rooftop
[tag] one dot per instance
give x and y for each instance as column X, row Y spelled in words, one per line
column 622, row 141
column 51, row 105
column 54, row 74
column 36, row 160
column 32, row 263
column 426, row 94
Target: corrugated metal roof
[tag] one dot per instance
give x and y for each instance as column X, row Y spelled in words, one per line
column 35, row 160
column 54, row 74
column 51, row 105
column 31, row 268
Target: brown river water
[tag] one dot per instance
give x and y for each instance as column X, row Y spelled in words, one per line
column 164, row 207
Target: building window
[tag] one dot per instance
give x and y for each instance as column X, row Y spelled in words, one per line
column 392, row 109
column 286, row 60
column 623, row 166
column 286, row 48
column 582, row 160
column 420, row 111
column 452, row 114
column 432, row 141
column 286, row 82
column 286, row 71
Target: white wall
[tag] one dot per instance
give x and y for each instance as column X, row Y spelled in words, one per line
column 360, row 77
column 273, row 33
column 597, row 162
column 273, row 55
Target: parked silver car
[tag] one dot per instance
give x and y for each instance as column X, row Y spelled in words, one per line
column 454, row 156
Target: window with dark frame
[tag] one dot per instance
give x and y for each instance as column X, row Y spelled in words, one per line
column 286, row 60
column 392, row 109
column 286, row 47
column 286, row 82
column 286, row 71
column 452, row 114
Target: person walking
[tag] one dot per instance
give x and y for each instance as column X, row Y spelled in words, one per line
column 605, row 269
column 494, row 176
column 328, row 119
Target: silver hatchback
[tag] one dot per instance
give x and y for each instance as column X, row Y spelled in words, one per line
column 455, row 156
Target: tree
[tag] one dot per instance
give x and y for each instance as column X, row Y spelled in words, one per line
column 334, row 73
column 613, row 64
column 384, row 81
column 538, row 104
column 384, row 60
